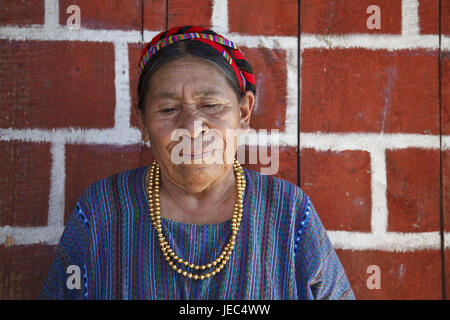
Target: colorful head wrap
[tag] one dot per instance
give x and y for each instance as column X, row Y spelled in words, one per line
column 224, row 46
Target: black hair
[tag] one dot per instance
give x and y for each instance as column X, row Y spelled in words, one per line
column 187, row 48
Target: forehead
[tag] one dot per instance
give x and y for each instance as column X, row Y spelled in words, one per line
column 189, row 73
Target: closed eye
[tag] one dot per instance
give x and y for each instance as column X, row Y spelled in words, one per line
column 212, row 106
column 168, row 110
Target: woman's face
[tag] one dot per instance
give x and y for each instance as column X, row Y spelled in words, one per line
column 193, row 120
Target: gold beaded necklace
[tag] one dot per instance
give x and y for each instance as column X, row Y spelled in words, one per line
column 170, row 256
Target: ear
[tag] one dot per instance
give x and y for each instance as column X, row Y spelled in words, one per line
column 246, row 107
column 140, row 116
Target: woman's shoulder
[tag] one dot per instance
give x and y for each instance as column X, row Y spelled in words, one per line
column 277, row 187
column 117, row 183
column 257, row 177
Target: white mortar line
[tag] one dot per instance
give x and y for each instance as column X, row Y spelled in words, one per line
column 219, row 17
column 57, row 186
column 378, row 186
column 269, row 42
column 445, row 43
column 31, row 235
column 60, row 33
column 445, row 142
column 390, row 241
column 370, row 41
column 122, row 86
column 410, row 17
column 290, row 122
column 51, row 16
column 367, row 141
column 316, row 140
column 149, row 35
column 308, row 41
column 73, row 135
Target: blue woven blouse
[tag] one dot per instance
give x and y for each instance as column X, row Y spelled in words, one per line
column 282, row 250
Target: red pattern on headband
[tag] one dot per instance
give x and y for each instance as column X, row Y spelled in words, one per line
column 230, row 52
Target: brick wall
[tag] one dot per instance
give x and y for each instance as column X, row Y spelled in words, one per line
column 364, row 117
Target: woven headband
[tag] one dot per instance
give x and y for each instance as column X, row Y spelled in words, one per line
column 215, row 41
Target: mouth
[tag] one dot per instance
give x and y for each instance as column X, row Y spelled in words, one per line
column 200, row 155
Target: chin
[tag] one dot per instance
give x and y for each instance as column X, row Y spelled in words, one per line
column 197, row 177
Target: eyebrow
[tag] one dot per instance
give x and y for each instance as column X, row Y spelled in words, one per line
column 167, row 94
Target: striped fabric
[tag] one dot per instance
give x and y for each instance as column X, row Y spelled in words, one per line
column 282, row 250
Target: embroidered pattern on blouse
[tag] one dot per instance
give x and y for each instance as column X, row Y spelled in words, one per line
column 304, row 218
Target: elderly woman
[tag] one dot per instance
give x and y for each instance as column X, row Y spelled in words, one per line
column 189, row 226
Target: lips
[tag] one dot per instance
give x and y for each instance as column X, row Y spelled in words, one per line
column 205, row 154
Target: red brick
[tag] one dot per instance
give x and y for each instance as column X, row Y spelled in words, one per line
column 23, row 270
column 338, row 17
column 429, row 16
column 413, row 190
column 404, row 275
column 88, row 163
column 338, row 184
column 370, row 91
column 446, row 189
column 445, row 92
column 190, row 12
column 109, row 14
column 155, row 15
column 447, row 273
column 445, row 17
column 24, row 183
column 25, row 12
column 48, row 84
column 287, row 163
column 263, row 17
column 269, row 67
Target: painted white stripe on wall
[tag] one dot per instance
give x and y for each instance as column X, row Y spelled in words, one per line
column 51, row 16
column 370, row 41
column 307, row 41
column 368, row 141
column 57, row 185
column 378, row 186
column 73, row 135
column 410, row 17
column 219, row 19
column 291, row 126
column 445, row 43
column 391, row 241
column 32, row 235
column 122, row 85
column 61, row 33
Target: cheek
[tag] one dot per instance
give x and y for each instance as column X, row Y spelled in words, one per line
column 160, row 133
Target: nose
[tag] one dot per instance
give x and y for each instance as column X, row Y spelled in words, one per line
column 194, row 123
